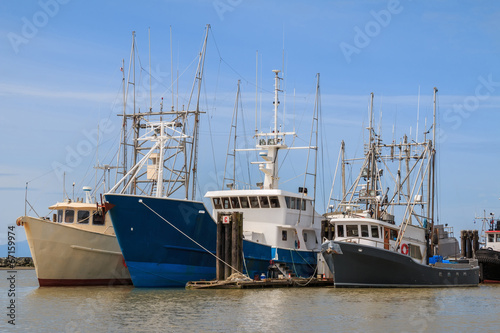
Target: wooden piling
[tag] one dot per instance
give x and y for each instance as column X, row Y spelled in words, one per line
column 475, row 241
column 227, row 249
column 229, row 244
column 219, row 268
column 463, row 239
column 237, row 241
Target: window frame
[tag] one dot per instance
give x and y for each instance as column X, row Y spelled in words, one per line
column 235, row 202
column 264, row 201
column 244, row 200
column 274, row 202
column 352, row 230
column 217, row 202
column 71, row 215
column 84, row 219
column 254, row 202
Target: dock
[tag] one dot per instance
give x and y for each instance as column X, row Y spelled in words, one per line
column 294, row 282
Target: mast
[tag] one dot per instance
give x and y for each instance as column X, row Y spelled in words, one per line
column 342, row 149
column 171, row 68
column 134, row 118
column 234, row 126
column 124, row 122
column 194, row 151
column 150, row 92
column 276, row 102
column 256, row 88
column 315, row 125
column 372, row 169
column 433, row 157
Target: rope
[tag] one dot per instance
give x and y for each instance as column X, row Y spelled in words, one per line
column 310, row 279
column 244, row 263
column 184, row 234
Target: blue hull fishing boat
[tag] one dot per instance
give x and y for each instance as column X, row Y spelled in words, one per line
column 157, row 254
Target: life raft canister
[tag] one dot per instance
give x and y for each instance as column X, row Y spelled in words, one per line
column 404, row 249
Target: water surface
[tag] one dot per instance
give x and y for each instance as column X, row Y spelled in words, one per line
column 128, row 309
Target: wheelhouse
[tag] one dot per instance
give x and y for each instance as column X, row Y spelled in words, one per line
column 80, row 215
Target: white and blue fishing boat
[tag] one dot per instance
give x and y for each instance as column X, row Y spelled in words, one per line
column 167, row 242
column 281, row 229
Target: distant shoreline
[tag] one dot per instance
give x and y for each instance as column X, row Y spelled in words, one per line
column 17, row 268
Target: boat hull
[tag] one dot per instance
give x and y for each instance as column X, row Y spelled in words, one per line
column 157, row 254
column 164, row 254
column 259, row 257
column 366, row 266
column 67, row 256
column 489, row 261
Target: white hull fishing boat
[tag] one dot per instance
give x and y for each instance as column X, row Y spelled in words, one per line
column 366, row 248
column 281, row 230
column 77, row 247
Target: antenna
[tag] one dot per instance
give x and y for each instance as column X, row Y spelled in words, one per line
column 434, row 119
column 256, row 87
column 418, row 113
column 150, row 93
column 171, row 68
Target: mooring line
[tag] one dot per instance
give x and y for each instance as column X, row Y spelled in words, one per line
column 173, row 226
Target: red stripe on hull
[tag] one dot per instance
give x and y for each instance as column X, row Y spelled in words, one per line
column 83, row 282
column 491, row 281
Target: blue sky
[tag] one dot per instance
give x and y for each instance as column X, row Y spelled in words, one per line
column 60, row 77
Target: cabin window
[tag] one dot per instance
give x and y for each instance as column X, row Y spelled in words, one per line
column 364, row 230
column 415, row 251
column 97, row 218
column 375, row 231
column 394, row 234
column 305, row 236
column 60, row 215
column 254, row 202
column 498, row 237
column 244, row 202
column 69, row 216
column 292, row 203
column 83, row 216
column 225, row 203
column 264, row 202
column 303, row 204
column 340, row 231
column 352, row 230
column 287, row 201
column 491, row 238
column 217, row 203
column 275, row 202
column 235, row 203
column 283, row 235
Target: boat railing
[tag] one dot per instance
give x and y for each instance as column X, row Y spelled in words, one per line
column 366, row 241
